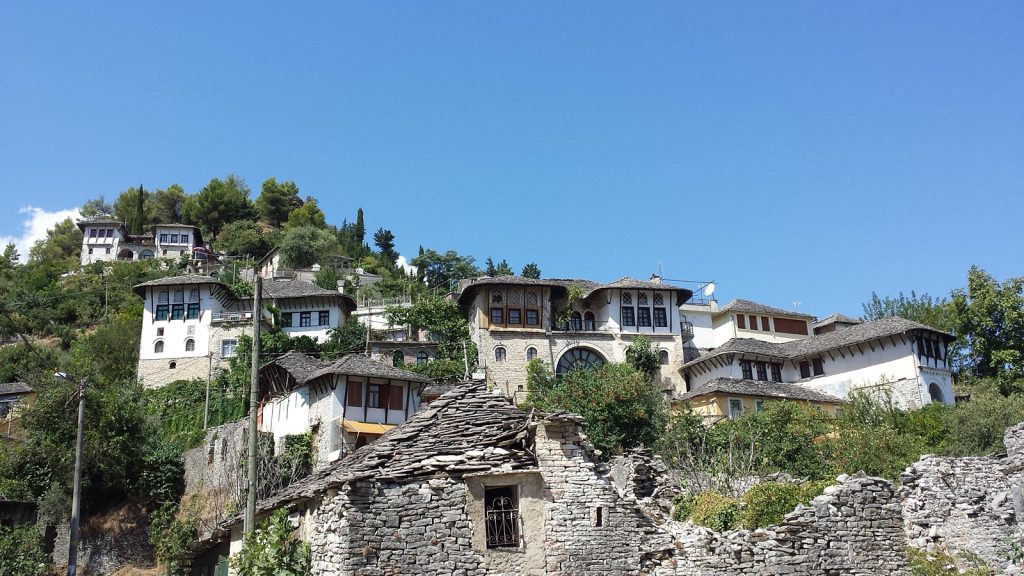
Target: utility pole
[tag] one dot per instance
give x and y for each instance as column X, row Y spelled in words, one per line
column 76, row 498
column 254, row 380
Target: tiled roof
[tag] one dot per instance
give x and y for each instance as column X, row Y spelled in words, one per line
column 295, row 289
column 306, row 368
column 758, row 388
column 15, row 388
column 837, row 318
column 752, row 307
column 140, row 289
column 860, row 333
column 589, row 287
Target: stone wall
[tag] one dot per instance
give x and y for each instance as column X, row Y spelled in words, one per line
column 104, row 549
column 214, row 471
column 854, row 528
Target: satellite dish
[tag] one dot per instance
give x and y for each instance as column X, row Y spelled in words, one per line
column 709, row 289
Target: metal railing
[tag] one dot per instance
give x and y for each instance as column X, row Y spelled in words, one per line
column 231, row 317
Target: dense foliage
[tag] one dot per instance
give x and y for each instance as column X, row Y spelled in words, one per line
column 21, row 551
column 272, row 550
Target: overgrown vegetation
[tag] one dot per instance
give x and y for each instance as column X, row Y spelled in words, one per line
column 21, row 551
column 272, row 550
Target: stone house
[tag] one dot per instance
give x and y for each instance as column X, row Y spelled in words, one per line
column 903, row 358
column 106, row 240
column 570, row 323
column 191, row 323
column 730, row 398
column 15, row 399
column 346, row 403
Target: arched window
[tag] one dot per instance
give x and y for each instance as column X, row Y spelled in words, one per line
column 421, row 357
column 588, row 320
column 579, row 359
column 499, row 354
column 935, row 392
column 172, row 365
column 577, row 322
column 663, row 357
column 531, row 353
column 146, row 255
column 190, row 345
column 158, row 348
column 397, row 358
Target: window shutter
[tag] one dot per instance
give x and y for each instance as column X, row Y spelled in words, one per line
column 355, row 393
column 395, row 397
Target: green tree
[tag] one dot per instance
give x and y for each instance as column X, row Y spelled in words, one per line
column 359, row 231
column 989, row 318
column 622, row 408
column 304, row 246
column 220, row 202
column 308, row 215
column 96, row 208
column 273, row 550
column 385, row 242
column 244, row 238
column 348, row 338
column 642, row 356
column 934, row 312
column 489, row 269
column 442, row 271
column 21, row 551
column 169, row 204
column 446, row 324
column 277, row 200
column 503, row 269
column 127, row 209
column 531, row 270
column 63, row 242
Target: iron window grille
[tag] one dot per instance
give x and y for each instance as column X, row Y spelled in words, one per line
column 502, row 517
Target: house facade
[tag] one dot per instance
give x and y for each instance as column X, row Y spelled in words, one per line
column 570, row 323
column 105, row 240
column 191, row 324
column 730, row 398
column 346, row 403
column 899, row 357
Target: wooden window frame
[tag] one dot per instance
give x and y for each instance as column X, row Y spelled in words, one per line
column 741, row 321
column 643, row 317
column 628, row 315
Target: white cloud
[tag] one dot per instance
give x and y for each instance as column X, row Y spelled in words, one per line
column 34, row 227
column 404, row 265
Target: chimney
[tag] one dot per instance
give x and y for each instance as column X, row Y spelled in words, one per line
column 655, row 278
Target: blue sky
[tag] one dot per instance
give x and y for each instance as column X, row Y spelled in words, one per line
column 804, row 152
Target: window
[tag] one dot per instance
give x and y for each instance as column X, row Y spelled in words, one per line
column 660, row 318
column 90, row 250
column 172, row 365
column 762, row 371
column 578, row 359
column 776, row 373
column 193, row 311
column 753, row 322
column 748, row 373
column 532, row 318
column 735, row 408
column 627, row 317
column 663, row 357
column 286, row 319
column 497, row 315
column 577, row 321
column 110, row 232
column 184, row 238
column 501, row 508
column 659, row 299
column 421, row 357
column 324, row 317
column 515, row 316
column 588, row 321
column 92, row 233
column 159, row 331
column 395, row 394
column 179, row 296
column 108, row 250
column 764, row 324
column 373, row 399
column 305, row 319
column 162, row 311
column 741, row 321
column 499, row 354
column 935, row 392
column 146, row 255
column 818, row 368
column 627, row 299
column 158, row 348
column 531, row 353
column 190, row 345
column 788, row 326
column 174, row 238
column 641, row 299
column 193, row 295
column 759, row 405
column 163, row 238
column 228, row 347
column 805, row 370
column 355, row 394
column 223, row 449
column 643, row 316
column 162, row 297
column 177, row 311
column 397, row 358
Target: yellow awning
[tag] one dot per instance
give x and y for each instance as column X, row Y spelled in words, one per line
column 357, row 427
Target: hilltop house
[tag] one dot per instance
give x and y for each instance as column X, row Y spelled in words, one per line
column 107, row 240
column 346, row 403
column 15, row 398
column 570, row 323
column 191, row 323
column 907, row 359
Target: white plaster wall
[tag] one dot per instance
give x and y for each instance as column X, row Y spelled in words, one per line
column 723, row 329
column 711, row 372
column 100, row 245
column 703, row 330
column 287, row 415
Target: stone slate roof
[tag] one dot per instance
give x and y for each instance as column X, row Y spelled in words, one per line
column 758, row 388
column 301, row 289
column 819, row 343
column 83, row 223
column 836, row 318
column 469, row 429
column 306, row 368
column 752, row 307
column 140, row 289
column 589, row 287
column 15, row 388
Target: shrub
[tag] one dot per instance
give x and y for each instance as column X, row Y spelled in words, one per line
column 272, row 550
column 682, row 506
column 943, row 564
column 768, row 502
column 171, row 533
column 716, row 511
column 21, row 551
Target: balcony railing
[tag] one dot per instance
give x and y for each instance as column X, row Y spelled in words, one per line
column 686, row 329
column 231, row 317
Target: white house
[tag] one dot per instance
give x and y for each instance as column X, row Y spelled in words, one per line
column 191, row 323
column 904, row 358
column 108, row 240
column 345, row 403
column 569, row 323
